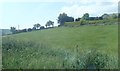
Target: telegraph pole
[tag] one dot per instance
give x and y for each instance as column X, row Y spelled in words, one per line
column 18, row 27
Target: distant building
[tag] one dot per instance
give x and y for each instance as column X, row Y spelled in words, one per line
column 5, row 32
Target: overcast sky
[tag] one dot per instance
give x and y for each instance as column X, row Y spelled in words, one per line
column 26, row 13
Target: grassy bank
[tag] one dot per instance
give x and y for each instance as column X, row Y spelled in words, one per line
column 91, row 22
column 63, row 47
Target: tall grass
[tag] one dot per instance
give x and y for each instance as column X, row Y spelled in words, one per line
column 30, row 55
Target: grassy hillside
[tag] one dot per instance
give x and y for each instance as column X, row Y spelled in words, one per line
column 62, row 47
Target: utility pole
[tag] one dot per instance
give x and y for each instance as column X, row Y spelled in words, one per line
column 18, row 27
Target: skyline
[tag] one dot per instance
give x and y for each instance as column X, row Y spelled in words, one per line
column 26, row 14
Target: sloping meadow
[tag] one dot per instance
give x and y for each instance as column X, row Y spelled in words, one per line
column 17, row 54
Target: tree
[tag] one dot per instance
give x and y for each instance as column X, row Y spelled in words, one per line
column 77, row 19
column 62, row 18
column 49, row 23
column 46, row 25
column 114, row 16
column 37, row 25
column 105, row 16
column 13, row 30
column 52, row 23
column 100, row 18
column 34, row 28
column 24, row 30
column 85, row 16
column 42, row 27
column 29, row 29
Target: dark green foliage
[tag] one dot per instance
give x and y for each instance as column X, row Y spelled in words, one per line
column 34, row 28
column 37, row 26
column 95, row 18
column 42, row 27
column 77, row 19
column 49, row 23
column 29, row 29
column 23, row 30
column 114, row 16
column 105, row 16
column 85, row 16
column 13, row 30
column 69, row 19
column 62, row 18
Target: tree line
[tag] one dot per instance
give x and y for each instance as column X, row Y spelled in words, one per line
column 62, row 18
column 35, row 27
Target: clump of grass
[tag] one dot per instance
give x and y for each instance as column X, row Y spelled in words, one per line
column 96, row 60
column 92, row 59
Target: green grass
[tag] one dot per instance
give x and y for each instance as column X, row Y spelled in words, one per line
column 72, row 24
column 51, row 48
column 91, row 22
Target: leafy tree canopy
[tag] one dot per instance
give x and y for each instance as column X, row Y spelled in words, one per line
column 62, row 18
